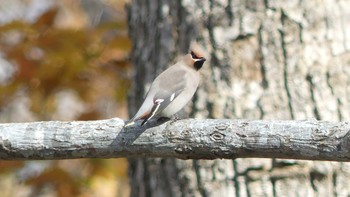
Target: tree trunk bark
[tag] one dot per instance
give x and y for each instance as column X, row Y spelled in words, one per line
column 268, row 60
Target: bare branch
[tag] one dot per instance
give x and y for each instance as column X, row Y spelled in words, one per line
column 185, row 139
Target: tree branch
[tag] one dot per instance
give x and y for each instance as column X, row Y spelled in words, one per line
column 185, row 139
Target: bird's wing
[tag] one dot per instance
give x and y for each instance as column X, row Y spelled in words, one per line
column 167, row 92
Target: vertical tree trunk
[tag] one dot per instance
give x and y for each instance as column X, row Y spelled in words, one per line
column 269, row 60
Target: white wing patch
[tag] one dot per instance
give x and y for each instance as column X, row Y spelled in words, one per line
column 157, row 102
column 172, row 97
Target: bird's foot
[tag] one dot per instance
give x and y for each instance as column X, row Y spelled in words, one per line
column 174, row 119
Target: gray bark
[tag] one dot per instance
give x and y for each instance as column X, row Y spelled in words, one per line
column 269, row 60
column 185, row 139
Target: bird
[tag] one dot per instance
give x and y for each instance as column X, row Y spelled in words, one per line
column 171, row 90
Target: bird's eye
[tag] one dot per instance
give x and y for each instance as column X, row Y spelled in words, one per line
column 194, row 56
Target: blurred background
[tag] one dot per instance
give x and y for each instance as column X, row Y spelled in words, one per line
column 63, row 60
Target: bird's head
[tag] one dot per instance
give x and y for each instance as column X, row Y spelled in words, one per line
column 195, row 60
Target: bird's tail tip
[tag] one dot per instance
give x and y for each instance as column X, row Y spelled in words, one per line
column 130, row 123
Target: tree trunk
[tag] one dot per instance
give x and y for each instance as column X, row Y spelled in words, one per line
column 269, row 60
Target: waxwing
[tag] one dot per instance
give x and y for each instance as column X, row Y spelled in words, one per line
column 171, row 90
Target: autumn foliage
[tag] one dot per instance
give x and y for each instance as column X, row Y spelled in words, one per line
column 90, row 62
column 93, row 62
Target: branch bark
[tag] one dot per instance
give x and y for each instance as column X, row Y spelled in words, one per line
column 185, row 139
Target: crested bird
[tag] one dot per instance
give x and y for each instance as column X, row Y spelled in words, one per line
column 171, row 90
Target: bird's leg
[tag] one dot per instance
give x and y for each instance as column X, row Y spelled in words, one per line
column 175, row 118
